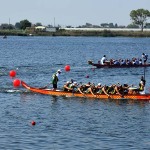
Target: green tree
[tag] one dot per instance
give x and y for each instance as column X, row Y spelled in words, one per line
column 18, row 25
column 24, row 24
column 147, row 25
column 139, row 17
column 104, row 25
column 132, row 26
column 116, row 25
column 38, row 24
column 111, row 25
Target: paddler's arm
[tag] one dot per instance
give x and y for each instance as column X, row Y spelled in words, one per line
column 103, row 89
column 65, row 86
column 90, row 89
column 117, row 91
column 80, row 91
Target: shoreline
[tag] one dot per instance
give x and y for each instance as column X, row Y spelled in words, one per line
column 102, row 32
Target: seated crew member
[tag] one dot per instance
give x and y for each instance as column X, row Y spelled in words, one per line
column 84, row 87
column 91, row 89
column 125, row 88
column 105, row 89
column 128, row 62
column 108, row 90
column 119, row 89
column 75, row 87
column 111, row 89
column 136, row 61
column 99, row 88
column 111, row 62
column 122, row 89
column 140, row 61
column 133, row 62
column 116, row 62
column 122, row 62
column 67, row 86
column 70, row 86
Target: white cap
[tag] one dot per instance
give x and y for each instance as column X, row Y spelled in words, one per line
column 59, row 70
column 99, row 84
column 74, row 83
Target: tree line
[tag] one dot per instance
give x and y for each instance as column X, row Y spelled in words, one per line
column 139, row 19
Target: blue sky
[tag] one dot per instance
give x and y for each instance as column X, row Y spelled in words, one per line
column 70, row 12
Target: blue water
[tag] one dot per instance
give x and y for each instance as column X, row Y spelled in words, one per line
column 67, row 122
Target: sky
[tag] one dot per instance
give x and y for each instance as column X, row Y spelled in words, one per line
column 70, row 12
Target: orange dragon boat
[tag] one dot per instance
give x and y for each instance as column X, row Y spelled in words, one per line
column 139, row 97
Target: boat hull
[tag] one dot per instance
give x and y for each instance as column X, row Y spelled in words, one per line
column 72, row 94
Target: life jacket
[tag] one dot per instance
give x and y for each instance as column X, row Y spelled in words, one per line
column 54, row 78
column 111, row 90
column 84, row 87
column 141, row 87
column 88, row 90
column 69, row 85
column 99, row 91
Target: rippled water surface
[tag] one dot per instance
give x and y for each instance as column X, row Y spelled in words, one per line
column 69, row 122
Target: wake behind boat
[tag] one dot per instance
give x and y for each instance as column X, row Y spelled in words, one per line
column 138, row 97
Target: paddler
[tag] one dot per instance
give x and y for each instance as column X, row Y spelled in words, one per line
column 119, row 89
column 70, row 86
column 103, row 60
column 55, row 79
column 141, row 88
column 67, row 86
column 142, row 84
column 99, row 88
column 91, row 89
column 105, row 90
column 83, row 87
column 145, row 57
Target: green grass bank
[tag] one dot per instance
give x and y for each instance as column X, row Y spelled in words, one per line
column 63, row 32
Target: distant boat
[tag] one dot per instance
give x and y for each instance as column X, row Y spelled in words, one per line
column 98, row 65
column 4, row 37
column 30, row 34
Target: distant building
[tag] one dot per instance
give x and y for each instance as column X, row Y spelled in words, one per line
column 40, row 28
column 51, row 29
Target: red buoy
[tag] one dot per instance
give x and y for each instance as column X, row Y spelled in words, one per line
column 12, row 73
column 16, row 82
column 33, row 123
column 67, row 68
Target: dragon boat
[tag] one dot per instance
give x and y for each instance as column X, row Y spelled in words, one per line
column 138, row 97
column 98, row 65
